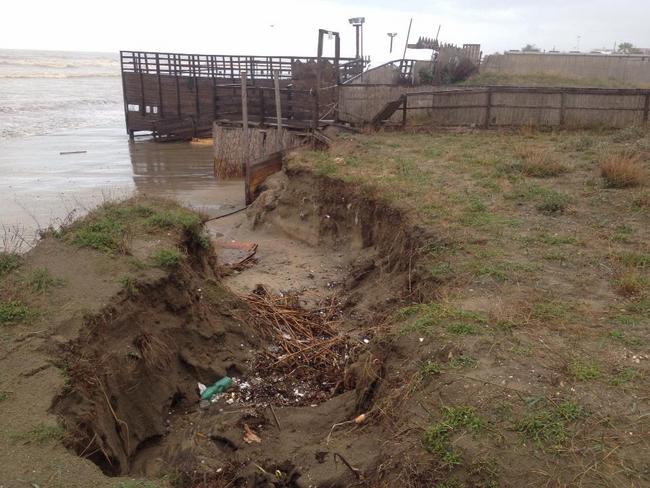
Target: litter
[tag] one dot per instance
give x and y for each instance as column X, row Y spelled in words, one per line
column 251, row 437
column 219, row 387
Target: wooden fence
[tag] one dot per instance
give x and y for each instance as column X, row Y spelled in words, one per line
column 497, row 106
column 172, row 94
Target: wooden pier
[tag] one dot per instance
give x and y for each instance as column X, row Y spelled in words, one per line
column 174, row 96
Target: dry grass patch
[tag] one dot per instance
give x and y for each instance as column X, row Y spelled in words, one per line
column 630, row 284
column 622, row 171
column 538, row 163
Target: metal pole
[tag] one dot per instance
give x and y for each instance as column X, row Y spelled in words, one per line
column 408, row 35
column 356, row 28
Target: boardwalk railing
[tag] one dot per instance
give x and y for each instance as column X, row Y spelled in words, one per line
column 226, row 66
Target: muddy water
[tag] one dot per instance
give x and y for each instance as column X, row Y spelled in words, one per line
column 53, row 102
column 39, row 186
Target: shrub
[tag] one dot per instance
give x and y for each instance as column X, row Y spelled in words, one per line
column 541, row 166
column 12, row 312
column 553, row 203
column 40, row 280
column 167, row 258
column 630, row 284
column 621, row 171
column 8, row 262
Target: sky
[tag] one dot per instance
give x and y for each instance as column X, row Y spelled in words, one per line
column 289, row 27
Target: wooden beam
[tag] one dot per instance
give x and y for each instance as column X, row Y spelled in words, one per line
column 278, row 110
column 244, row 112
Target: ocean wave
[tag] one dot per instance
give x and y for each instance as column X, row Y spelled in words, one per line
column 60, row 63
column 59, row 75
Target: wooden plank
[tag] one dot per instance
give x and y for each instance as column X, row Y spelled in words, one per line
column 278, row 109
column 244, row 111
column 488, row 107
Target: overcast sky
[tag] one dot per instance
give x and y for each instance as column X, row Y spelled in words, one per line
column 288, row 27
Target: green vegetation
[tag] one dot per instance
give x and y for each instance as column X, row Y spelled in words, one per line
column 40, row 280
column 4, row 395
column 431, row 315
column 8, row 262
column 430, row 368
column 173, row 219
column 109, row 227
column 626, row 339
column 12, row 312
column 584, row 370
column 624, row 376
column 548, row 426
column 436, row 437
column 136, row 484
column 41, row 434
column 167, row 258
column 553, row 203
column 461, row 328
column 130, row 285
column 462, row 361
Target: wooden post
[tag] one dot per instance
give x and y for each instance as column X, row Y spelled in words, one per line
column 646, row 108
column 244, row 115
column 161, row 113
column 404, row 108
column 262, row 106
column 488, row 108
column 126, row 102
column 562, row 107
column 278, row 110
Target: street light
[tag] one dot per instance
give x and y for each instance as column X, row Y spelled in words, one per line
column 358, row 22
column 391, row 35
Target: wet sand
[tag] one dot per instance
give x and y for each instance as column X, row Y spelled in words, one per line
column 40, row 187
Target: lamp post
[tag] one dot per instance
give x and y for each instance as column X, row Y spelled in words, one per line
column 358, row 22
column 391, row 35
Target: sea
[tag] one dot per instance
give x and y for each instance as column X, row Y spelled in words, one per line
column 64, row 147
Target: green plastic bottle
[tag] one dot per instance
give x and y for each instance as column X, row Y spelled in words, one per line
column 219, row 387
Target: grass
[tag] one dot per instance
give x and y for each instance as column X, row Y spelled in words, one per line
column 167, row 258
column 8, row 262
column 13, row 312
column 110, row 227
column 42, row 434
column 173, row 219
column 548, row 426
column 105, row 235
column 462, row 328
column 436, row 437
column 553, row 203
column 461, row 361
column 635, row 259
column 542, row 166
column 630, row 283
column 40, row 280
column 427, row 317
column 430, row 368
column 129, row 285
column 625, row 339
column 136, row 484
column 4, row 395
column 622, row 171
column 584, row 370
column 624, row 376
